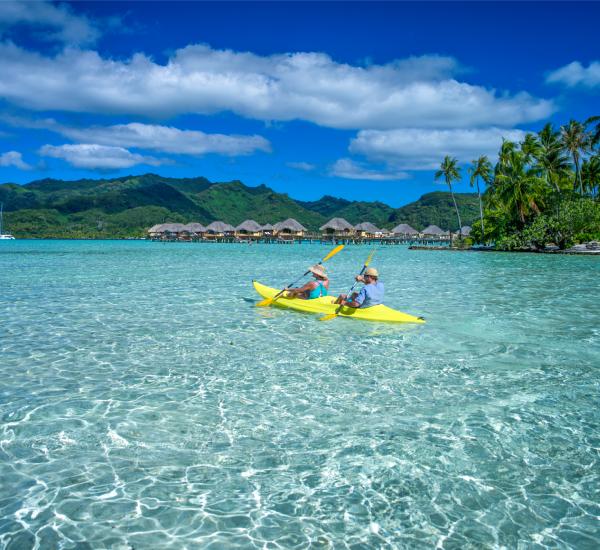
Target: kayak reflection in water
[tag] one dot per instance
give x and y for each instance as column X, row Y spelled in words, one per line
column 313, row 289
column 370, row 295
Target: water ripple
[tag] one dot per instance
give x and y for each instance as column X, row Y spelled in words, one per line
column 145, row 402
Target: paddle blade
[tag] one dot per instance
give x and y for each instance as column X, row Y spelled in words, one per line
column 332, row 253
column 369, row 258
column 265, row 303
column 328, row 317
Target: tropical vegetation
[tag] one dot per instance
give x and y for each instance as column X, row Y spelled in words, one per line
column 480, row 169
column 544, row 190
column 449, row 170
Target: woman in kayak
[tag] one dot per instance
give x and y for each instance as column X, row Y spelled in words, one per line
column 370, row 295
column 313, row 289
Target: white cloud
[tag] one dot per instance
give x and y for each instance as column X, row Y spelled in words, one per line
column 167, row 139
column 14, row 158
column 100, row 157
column 63, row 25
column 306, row 166
column 414, row 92
column 349, row 169
column 575, row 74
column 424, row 149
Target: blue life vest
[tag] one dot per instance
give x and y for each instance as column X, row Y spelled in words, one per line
column 317, row 292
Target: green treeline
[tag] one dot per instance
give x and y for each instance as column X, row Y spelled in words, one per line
column 542, row 190
column 128, row 206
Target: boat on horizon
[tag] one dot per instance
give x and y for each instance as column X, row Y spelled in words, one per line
column 4, row 236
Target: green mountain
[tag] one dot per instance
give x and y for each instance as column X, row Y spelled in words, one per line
column 327, row 206
column 354, row 211
column 437, row 208
column 234, row 202
column 127, row 206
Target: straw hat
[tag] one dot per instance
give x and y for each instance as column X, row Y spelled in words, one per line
column 372, row 272
column 318, row 270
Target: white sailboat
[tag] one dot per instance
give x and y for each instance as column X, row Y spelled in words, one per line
column 4, row 236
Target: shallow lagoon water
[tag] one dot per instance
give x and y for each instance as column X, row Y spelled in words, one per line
column 147, row 403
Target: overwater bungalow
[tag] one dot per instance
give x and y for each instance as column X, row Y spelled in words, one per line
column 337, row 227
column 156, row 231
column 289, row 228
column 249, row 228
column 367, row 230
column 192, row 230
column 404, row 230
column 219, row 229
column 171, row 230
column 435, row 231
column 267, row 230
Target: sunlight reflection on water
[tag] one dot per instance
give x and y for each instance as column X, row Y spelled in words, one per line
column 146, row 401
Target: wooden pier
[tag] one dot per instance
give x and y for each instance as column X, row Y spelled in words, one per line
column 336, row 231
column 313, row 238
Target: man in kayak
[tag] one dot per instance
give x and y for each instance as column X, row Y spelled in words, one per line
column 313, row 289
column 370, row 295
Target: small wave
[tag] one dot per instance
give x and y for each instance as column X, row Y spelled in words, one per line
column 117, row 439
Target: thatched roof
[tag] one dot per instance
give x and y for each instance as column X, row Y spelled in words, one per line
column 219, row 227
column 290, row 224
column 249, row 225
column 172, row 228
column 466, row 230
column 267, row 227
column 156, row 228
column 366, row 226
column 194, row 227
column 337, row 224
column 404, row 229
column 433, row 230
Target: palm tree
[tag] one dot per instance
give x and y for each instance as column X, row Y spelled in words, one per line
column 590, row 174
column 506, row 149
column 595, row 133
column 551, row 157
column 449, row 169
column 480, row 168
column 577, row 142
column 519, row 187
column 530, row 147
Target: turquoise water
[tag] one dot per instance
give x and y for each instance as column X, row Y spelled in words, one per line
column 147, row 403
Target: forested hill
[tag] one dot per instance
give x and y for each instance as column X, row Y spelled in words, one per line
column 437, row 208
column 127, row 206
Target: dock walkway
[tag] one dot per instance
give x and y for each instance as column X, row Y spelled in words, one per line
column 312, row 239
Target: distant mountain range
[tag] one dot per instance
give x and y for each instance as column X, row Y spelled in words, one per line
column 127, row 206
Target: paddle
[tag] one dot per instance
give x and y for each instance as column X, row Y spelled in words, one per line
column 333, row 315
column 268, row 301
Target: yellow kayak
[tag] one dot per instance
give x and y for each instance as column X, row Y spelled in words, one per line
column 326, row 305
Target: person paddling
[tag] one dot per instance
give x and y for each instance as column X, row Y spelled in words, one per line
column 370, row 295
column 313, row 289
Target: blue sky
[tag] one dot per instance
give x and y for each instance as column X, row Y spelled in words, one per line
column 357, row 100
